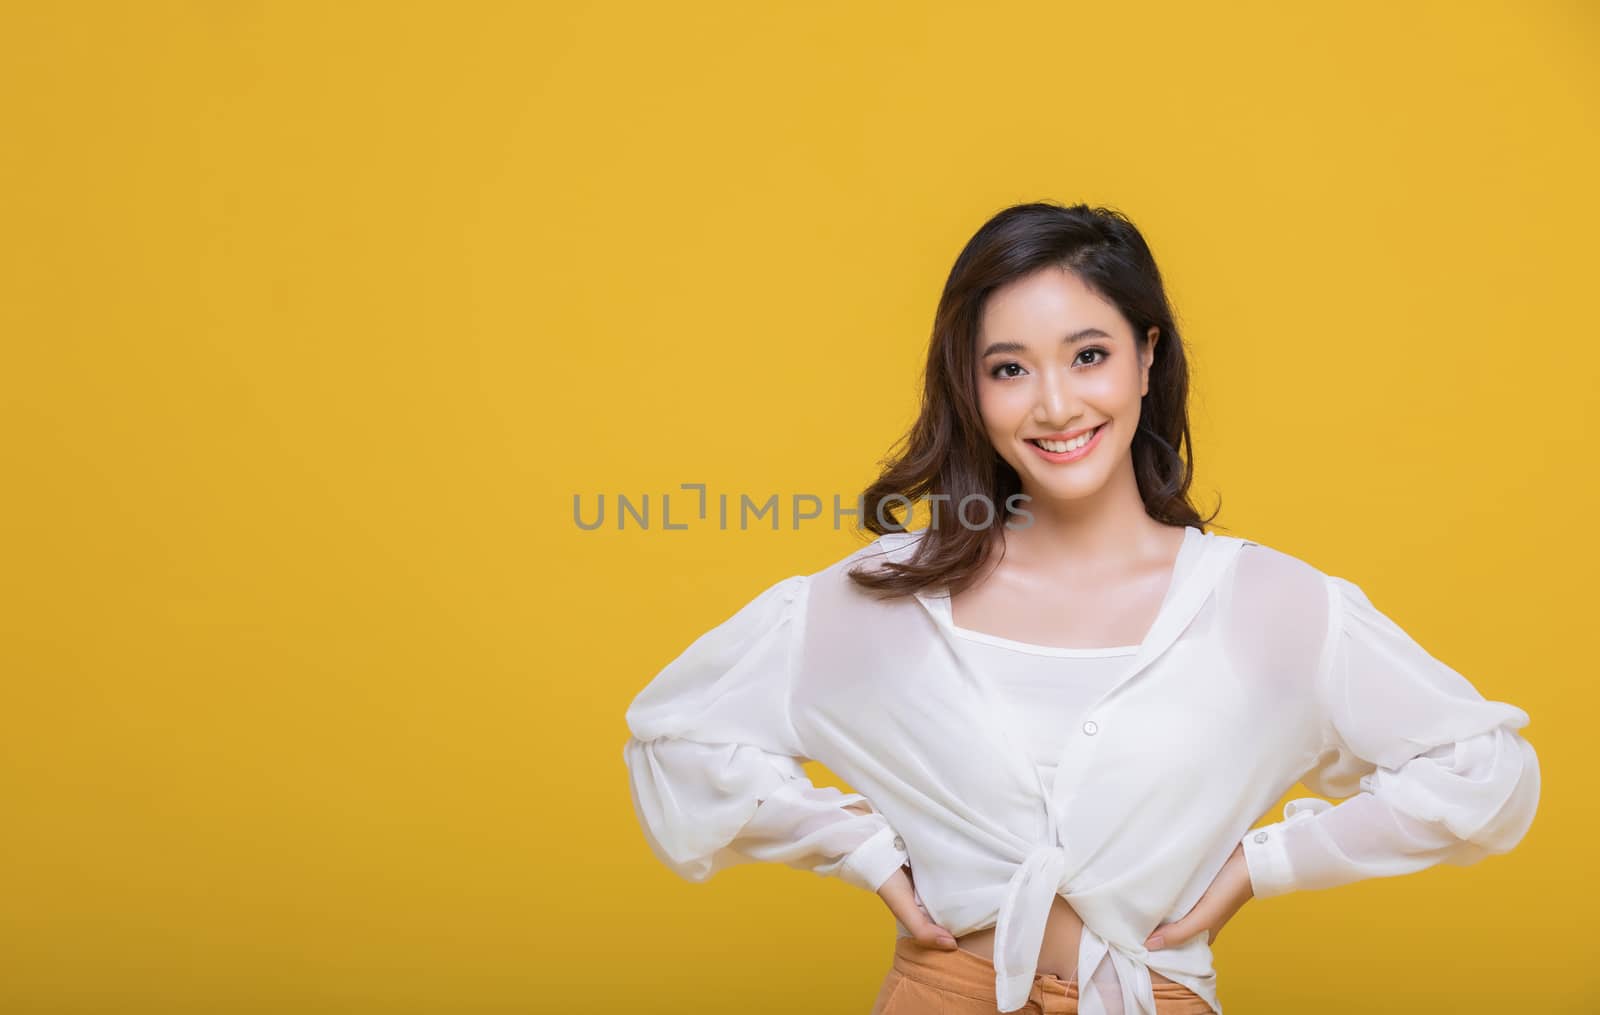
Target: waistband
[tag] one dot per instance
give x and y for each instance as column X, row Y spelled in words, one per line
column 970, row 975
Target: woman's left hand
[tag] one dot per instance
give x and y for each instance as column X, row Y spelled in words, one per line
column 1229, row 891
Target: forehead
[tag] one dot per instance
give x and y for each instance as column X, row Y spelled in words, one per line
column 1050, row 301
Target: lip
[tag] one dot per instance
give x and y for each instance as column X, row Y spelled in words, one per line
column 1066, row 435
column 1068, row 456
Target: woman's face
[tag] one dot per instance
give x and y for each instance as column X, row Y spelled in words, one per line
column 1056, row 360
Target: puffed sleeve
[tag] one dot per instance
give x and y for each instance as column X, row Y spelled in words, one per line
column 714, row 763
column 1433, row 771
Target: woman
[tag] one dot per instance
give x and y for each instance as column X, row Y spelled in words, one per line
column 1063, row 703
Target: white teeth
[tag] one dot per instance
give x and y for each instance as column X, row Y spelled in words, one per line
column 1058, row 447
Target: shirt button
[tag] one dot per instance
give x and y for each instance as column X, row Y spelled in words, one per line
column 1261, row 836
column 899, row 843
column 1091, row 727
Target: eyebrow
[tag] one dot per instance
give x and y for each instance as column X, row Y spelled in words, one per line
column 1076, row 336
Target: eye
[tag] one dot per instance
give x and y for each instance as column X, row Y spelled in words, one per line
column 1095, row 348
column 997, row 375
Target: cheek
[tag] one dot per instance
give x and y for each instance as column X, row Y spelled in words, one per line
column 1112, row 398
column 1127, row 387
column 1002, row 408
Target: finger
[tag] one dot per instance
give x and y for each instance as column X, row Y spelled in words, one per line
column 1229, row 891
column 1158, row 937
column 929, row 933
column 1170, row 935
column 1174, row 934
column 903, row 902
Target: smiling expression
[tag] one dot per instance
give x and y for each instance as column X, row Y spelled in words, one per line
column 1060, row 379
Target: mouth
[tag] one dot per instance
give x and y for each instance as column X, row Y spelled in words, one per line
column 1068, row 451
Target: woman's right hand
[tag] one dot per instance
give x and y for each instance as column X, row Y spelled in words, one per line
column 900, row 894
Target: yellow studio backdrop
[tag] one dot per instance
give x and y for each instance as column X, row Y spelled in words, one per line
column 317, row 317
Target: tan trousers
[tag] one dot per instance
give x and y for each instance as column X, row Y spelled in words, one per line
column 931, row 981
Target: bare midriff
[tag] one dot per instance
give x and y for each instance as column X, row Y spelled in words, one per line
column 1058, row 955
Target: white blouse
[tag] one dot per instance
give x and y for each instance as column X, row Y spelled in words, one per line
column 1049, row 689
column 1268, row 670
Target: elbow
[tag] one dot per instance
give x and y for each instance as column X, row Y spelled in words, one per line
column 1465, row 800
column 1514, row 783
column 1511, row 823
column 674, row 835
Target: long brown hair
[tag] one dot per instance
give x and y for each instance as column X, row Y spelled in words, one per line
column 947, row 452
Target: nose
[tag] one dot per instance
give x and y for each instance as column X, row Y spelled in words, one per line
column 1056, row 403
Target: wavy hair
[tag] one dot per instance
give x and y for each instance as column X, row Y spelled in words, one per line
column 947, row 454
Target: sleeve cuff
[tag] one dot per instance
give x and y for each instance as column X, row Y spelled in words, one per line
column 870, row 864
column 1267, row 861
column 1266, row 856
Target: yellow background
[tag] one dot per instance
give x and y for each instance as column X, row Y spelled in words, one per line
column 316, row 317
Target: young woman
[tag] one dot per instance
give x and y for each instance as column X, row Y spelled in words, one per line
column 1062, row 702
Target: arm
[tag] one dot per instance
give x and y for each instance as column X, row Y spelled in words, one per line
column 714, row 763
column 1443, row 776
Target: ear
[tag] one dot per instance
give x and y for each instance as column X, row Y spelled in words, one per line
column 1149, row 357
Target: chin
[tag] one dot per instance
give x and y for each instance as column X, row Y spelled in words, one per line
column 1067, row 491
